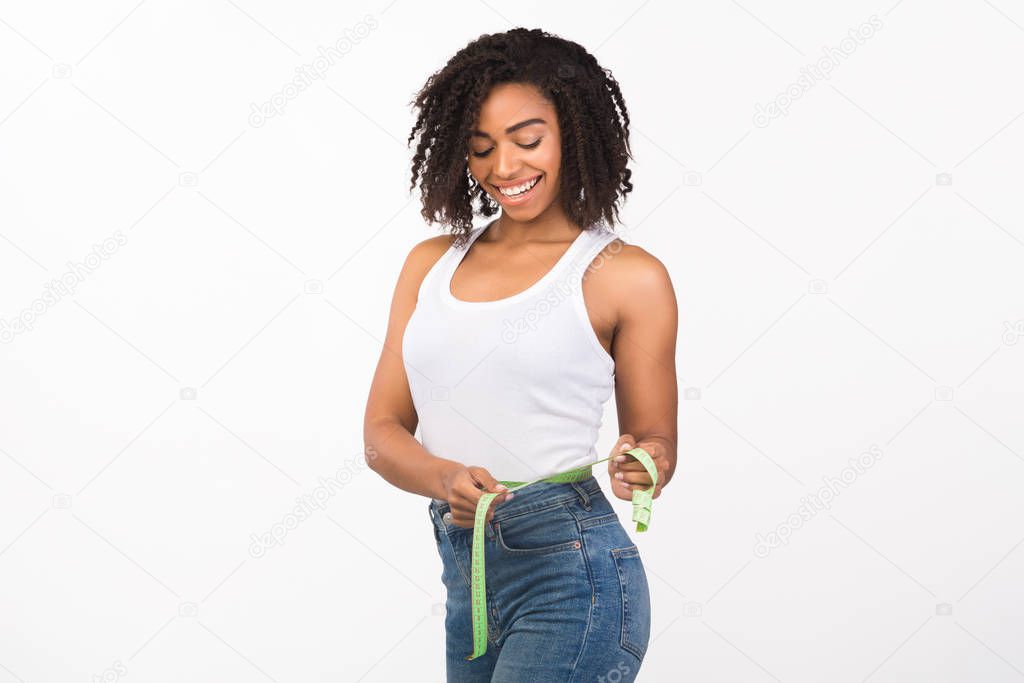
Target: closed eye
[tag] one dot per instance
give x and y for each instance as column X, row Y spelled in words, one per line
column 532, row 145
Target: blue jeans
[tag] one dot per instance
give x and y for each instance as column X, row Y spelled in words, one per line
column 567, row 594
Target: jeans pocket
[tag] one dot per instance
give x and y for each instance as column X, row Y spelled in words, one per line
column 636, row 600
column 539, row 533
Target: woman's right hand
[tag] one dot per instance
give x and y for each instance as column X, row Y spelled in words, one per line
column 463, row 488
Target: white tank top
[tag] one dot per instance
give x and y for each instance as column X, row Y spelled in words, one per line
column 516, row 385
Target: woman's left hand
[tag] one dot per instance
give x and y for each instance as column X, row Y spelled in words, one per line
column 627, row 473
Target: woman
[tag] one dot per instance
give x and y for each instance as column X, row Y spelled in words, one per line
column 503, row 344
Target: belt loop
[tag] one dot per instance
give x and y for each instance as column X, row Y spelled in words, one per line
column 584, row 496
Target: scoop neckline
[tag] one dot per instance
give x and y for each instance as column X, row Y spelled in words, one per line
column 450, row 299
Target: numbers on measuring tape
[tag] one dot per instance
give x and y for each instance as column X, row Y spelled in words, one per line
column 642, row 501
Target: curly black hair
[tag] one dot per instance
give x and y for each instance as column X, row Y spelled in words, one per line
column 595, row 136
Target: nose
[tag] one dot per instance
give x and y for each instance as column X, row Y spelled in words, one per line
column 506, row 162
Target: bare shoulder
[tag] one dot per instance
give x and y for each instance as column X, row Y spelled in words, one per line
column 427, row 252
column 420, row 259
column 632, row 278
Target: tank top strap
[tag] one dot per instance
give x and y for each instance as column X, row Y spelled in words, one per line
column 441, row 271
column 597, row 239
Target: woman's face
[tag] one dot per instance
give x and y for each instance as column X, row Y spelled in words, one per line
column 517, row 142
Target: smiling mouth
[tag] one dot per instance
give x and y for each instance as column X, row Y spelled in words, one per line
column 521, row 188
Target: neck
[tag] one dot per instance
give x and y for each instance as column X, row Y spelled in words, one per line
column 551, row 225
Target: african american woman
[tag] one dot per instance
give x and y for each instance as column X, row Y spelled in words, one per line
column 503, row 344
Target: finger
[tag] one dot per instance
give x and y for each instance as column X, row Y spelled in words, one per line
column 472, row 505
column 633, row 465
column 622, row 444
column 630, row 487
column 622, row 489
column 460, row 516
column 464, row 507
column 628, row 459
column 630, row 462
column 488, row 482
column 642, row 478
column 464, row 511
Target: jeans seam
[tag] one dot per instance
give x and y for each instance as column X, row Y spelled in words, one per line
column 564, row 498
column 492, row 614
column 554, row 502
column 574, row 544
column 618, row 554
column 593, row 601
column 433, row 524
column 458, row 565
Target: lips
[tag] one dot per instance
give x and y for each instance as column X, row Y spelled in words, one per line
column 521, row 198
column 516, row 183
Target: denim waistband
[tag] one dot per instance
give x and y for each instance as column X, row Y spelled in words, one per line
column 536, row 496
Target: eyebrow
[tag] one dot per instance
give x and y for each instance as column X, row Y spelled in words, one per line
column 510, row 129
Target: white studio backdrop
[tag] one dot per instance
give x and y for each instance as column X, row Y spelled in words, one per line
column 196, row 265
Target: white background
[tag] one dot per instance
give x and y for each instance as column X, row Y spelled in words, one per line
column 837, row 291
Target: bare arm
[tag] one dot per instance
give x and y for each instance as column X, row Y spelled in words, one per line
column 389, row 425
column 644, row 348
column 390, row 420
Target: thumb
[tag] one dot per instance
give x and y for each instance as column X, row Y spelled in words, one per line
column 625, row 443
column 490, row 484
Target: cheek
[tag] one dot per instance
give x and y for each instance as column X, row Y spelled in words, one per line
column 550, row 164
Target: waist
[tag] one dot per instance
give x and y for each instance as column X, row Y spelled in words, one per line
column 579, row 474
column 536, row 496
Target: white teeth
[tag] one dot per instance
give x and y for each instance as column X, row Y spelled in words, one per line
column 513, row 191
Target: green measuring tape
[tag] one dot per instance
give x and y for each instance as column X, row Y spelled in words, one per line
column 642, row 501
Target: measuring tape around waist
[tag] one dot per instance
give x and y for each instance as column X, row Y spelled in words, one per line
column 643, row 499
